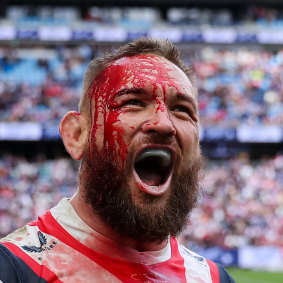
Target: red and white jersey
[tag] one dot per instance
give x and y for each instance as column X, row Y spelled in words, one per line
column 60, row 247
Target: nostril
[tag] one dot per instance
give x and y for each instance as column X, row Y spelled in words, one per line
column 165, row 129
column 173, row 133
column 170, row 134
column 151, row 131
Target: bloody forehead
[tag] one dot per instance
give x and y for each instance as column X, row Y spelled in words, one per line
column 139, row 72
column 134, row 71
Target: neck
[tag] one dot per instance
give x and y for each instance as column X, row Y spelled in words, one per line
column 94, row 221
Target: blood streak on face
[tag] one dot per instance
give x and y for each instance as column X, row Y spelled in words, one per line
column 143, row 71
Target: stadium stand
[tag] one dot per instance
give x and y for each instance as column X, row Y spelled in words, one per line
column 235, row 86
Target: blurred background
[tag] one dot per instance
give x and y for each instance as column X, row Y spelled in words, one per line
column 236, row 48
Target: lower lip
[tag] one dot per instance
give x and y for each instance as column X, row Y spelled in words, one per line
column 153, row 190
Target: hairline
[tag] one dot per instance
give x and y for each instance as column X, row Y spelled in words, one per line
column 98, row 65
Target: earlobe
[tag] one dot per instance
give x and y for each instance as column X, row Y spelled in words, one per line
column 73, row 130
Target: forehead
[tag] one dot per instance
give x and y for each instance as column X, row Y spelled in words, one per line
column 143, row 69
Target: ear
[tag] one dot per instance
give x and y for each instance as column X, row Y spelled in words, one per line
column 74, row 131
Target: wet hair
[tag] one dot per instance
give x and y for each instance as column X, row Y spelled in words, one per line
column 144, row 45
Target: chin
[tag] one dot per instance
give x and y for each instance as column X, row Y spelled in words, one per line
column 149, row 200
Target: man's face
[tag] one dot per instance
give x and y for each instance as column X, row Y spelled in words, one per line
column 137, row 99
column 145, row 128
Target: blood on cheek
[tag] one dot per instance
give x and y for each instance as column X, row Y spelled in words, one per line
column 128, row 72
column 100, row 94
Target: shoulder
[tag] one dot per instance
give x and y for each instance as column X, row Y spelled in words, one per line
column 18, row 251
column 10, row 270
column 217, row 273
column 28, row 235
column 224, row 276
column 14, row 270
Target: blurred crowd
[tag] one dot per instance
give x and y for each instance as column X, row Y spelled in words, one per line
column 236, row 85
column 140, row 17
column 29, row 189
column 239, row 86
column 40, row 85
column 241, row 203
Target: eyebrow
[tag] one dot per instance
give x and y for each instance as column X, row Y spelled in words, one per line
column 129, row 90
column 180, row 96
column 190, row 99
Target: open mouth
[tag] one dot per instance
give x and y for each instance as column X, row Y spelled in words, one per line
column 153, row 166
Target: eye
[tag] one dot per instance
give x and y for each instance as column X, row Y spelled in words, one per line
column 184, row 111
column 128, row 104
column 133, row 102
column 182, row 108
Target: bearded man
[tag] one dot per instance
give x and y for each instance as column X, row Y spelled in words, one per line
column 137, row 137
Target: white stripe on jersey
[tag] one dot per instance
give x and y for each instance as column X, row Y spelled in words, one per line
column 197, row 269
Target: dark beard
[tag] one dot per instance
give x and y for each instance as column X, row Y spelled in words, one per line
column 105, row 188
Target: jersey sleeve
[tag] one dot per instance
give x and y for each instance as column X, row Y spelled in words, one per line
column 10, row 270
column 224, row 276
column 15, row 270
column 218, row 273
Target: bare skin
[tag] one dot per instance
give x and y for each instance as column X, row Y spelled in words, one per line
column 135, row 97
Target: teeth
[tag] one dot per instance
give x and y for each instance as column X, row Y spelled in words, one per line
column 164, row 154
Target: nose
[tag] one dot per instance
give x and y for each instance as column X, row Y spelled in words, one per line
column 159, row 122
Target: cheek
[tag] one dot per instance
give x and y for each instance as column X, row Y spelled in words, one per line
column 189, row 139
column 117, row 134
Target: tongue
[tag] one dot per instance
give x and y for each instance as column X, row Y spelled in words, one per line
column 150, row 178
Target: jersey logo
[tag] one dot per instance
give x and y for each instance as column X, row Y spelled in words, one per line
column 43, row 241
